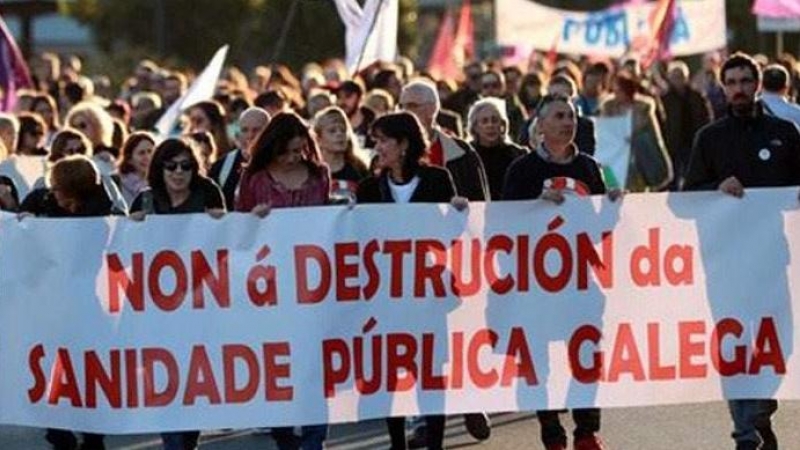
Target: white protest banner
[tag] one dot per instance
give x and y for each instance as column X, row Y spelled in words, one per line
column 613, row 148
column 202, row 88
column 319, row 315
column 699, row 27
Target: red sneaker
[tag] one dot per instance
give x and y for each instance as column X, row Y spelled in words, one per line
column 592, row 442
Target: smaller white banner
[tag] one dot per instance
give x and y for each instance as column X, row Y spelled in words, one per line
column 613, row 149
column 699, row 27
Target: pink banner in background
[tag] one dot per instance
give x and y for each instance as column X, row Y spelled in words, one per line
column 777, row 8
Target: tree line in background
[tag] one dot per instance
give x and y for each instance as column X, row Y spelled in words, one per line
column 185, row 33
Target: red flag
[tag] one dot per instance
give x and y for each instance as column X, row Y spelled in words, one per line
column 552, row 54
column 14, row 73
column 662, row 19
column 442, row 64
column 464, row 49
column 454, row 47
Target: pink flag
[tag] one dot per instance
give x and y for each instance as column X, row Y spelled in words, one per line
column 777, row 8
column 662, row 20
column 454, row 47
column 465, row 42
column 14, row 73
column 442, row 64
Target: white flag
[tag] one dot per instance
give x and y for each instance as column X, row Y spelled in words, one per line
column 613, row 148
column 370, row 32
column 201, row 89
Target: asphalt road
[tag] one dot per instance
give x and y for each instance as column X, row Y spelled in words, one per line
column 691, row 427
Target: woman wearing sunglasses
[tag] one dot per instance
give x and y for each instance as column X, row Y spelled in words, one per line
column 178, row 185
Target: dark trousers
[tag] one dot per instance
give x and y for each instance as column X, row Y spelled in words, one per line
column 312, row 437
column 180, row 440
column 587, row 423
column 434, row 426
column 66, row 440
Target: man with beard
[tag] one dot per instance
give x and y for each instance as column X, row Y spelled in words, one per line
column 348, row 97
column 746, row 149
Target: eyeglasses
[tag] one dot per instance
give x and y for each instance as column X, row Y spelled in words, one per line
column 492, row 85
column 172, row 166
column 80, row 125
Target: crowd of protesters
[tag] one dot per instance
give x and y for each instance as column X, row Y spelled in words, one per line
column 392, row 134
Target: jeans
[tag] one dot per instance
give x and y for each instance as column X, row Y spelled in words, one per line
column 751, row 416
column 312, row 437
column 180, row 440
column 587, row 423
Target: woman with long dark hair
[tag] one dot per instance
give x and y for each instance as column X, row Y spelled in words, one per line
column 286, row 171
column 178, row 184
column 136, row 154
column 404, row 177
column 210, row 116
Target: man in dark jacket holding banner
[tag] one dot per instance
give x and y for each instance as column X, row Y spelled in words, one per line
column 745, row 149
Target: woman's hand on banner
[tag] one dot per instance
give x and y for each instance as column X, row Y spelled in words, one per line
column 215, row 213
column 261, row 210
column 459, row 203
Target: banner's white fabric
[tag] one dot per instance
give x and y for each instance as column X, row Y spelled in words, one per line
column 699, row 27
column 329, row 315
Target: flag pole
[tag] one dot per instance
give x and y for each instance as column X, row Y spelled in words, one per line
column 285, row 31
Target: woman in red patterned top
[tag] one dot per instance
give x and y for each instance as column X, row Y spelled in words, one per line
column 285, row 169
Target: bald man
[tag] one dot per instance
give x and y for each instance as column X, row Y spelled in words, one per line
column 226, row 172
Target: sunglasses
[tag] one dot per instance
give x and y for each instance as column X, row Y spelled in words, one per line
column 172, row 166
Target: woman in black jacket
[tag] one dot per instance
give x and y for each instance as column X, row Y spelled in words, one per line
column 178, row 186
column 405, row 178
